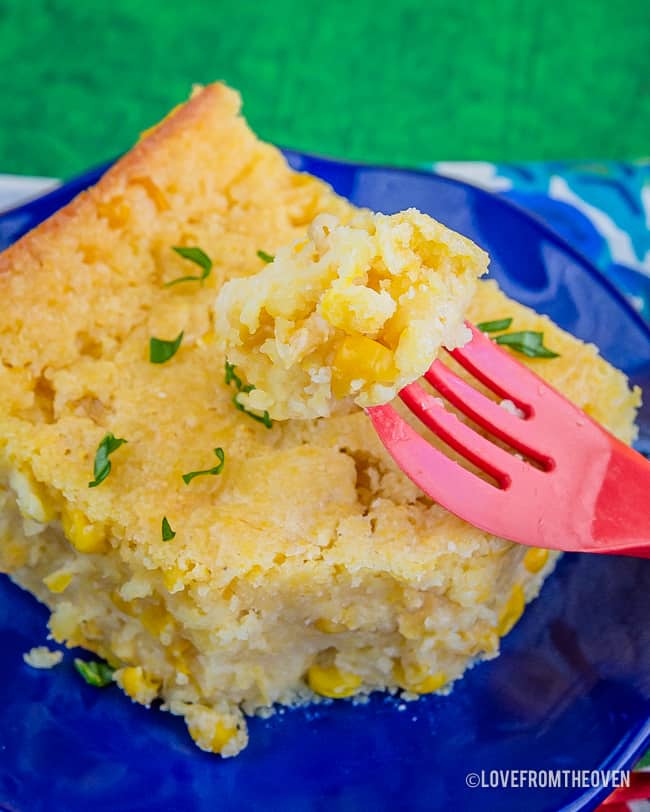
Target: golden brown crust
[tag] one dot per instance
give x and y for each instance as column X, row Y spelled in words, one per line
column 202, row 110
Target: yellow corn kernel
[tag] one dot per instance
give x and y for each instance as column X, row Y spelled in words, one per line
column 178, row 656
column 64, row 623
column 337, row 311
column 124, row 606
column 327, row 626
column 209, row 338
column 355, row 308
column 117, row 211
column 330, row 681
column 418, row 682
column 253, row 573
column 360, row 357
column 154, row 619
column 82, row 534
column 432, row 682
column 139, row 686
column 58, row 581
column 12, row 555
column 90, row 629
column 172, row 577
column 32, row 502
column 535, row 559
column 392, row 332
column 512, row 611
column 488, row 641
column 221, row 734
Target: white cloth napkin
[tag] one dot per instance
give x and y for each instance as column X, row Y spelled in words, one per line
column 17, row 189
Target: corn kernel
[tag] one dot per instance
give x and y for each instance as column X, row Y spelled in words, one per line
column 512, row 611
column 82, row 534
column 172, row 578
column 58, row 581
column 488, row 641
column 418, row 682
column 332, row 682
column 12, row 556
column 222, row 735
column 218, row 738
column 336, row 310
column 30, row 498
column 124, row 606
column 209, row 338
column 392, row 331
column 356, row 308
column 431, row 683
column 178, row 656
column 327, row 626
column 154, row 619
column 360, row 357
column 139, row 686
column 535, row 559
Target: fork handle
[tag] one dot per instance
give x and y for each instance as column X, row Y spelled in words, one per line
column 621, row 522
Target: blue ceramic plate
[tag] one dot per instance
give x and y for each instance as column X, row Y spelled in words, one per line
column 571, row 688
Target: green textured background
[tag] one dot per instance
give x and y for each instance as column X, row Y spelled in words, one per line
column 391, row 82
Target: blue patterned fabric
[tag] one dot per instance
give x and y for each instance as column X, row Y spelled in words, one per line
column 601, row 208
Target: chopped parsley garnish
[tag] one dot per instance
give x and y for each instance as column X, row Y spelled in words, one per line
column 231, row 375
column 187, row 478
column 242, row 389
column 494, row 326
column 527, row 342
column 198, row 257
column 161, row 351
column 167, row 532
column 263, row 418
column 265, row 257
column 95, row 672
column 102, row 466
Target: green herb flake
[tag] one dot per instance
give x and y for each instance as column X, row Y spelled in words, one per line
column 187, row 478
column 102, row 466
column 265, row 257
column 95, row 672
column 494, row 326
column 264, row 418
column 167, row 532
column 526, row 342
column 233, row 377
column 198, row 257
column 161, row 351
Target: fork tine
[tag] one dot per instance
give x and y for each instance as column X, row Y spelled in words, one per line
column 484, row 454
column 440, row 477
column 482, row 410
column 495, row 368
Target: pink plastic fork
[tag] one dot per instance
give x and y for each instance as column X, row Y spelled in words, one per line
column 590, row 493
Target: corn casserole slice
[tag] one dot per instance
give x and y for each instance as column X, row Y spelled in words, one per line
column 304, row 564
